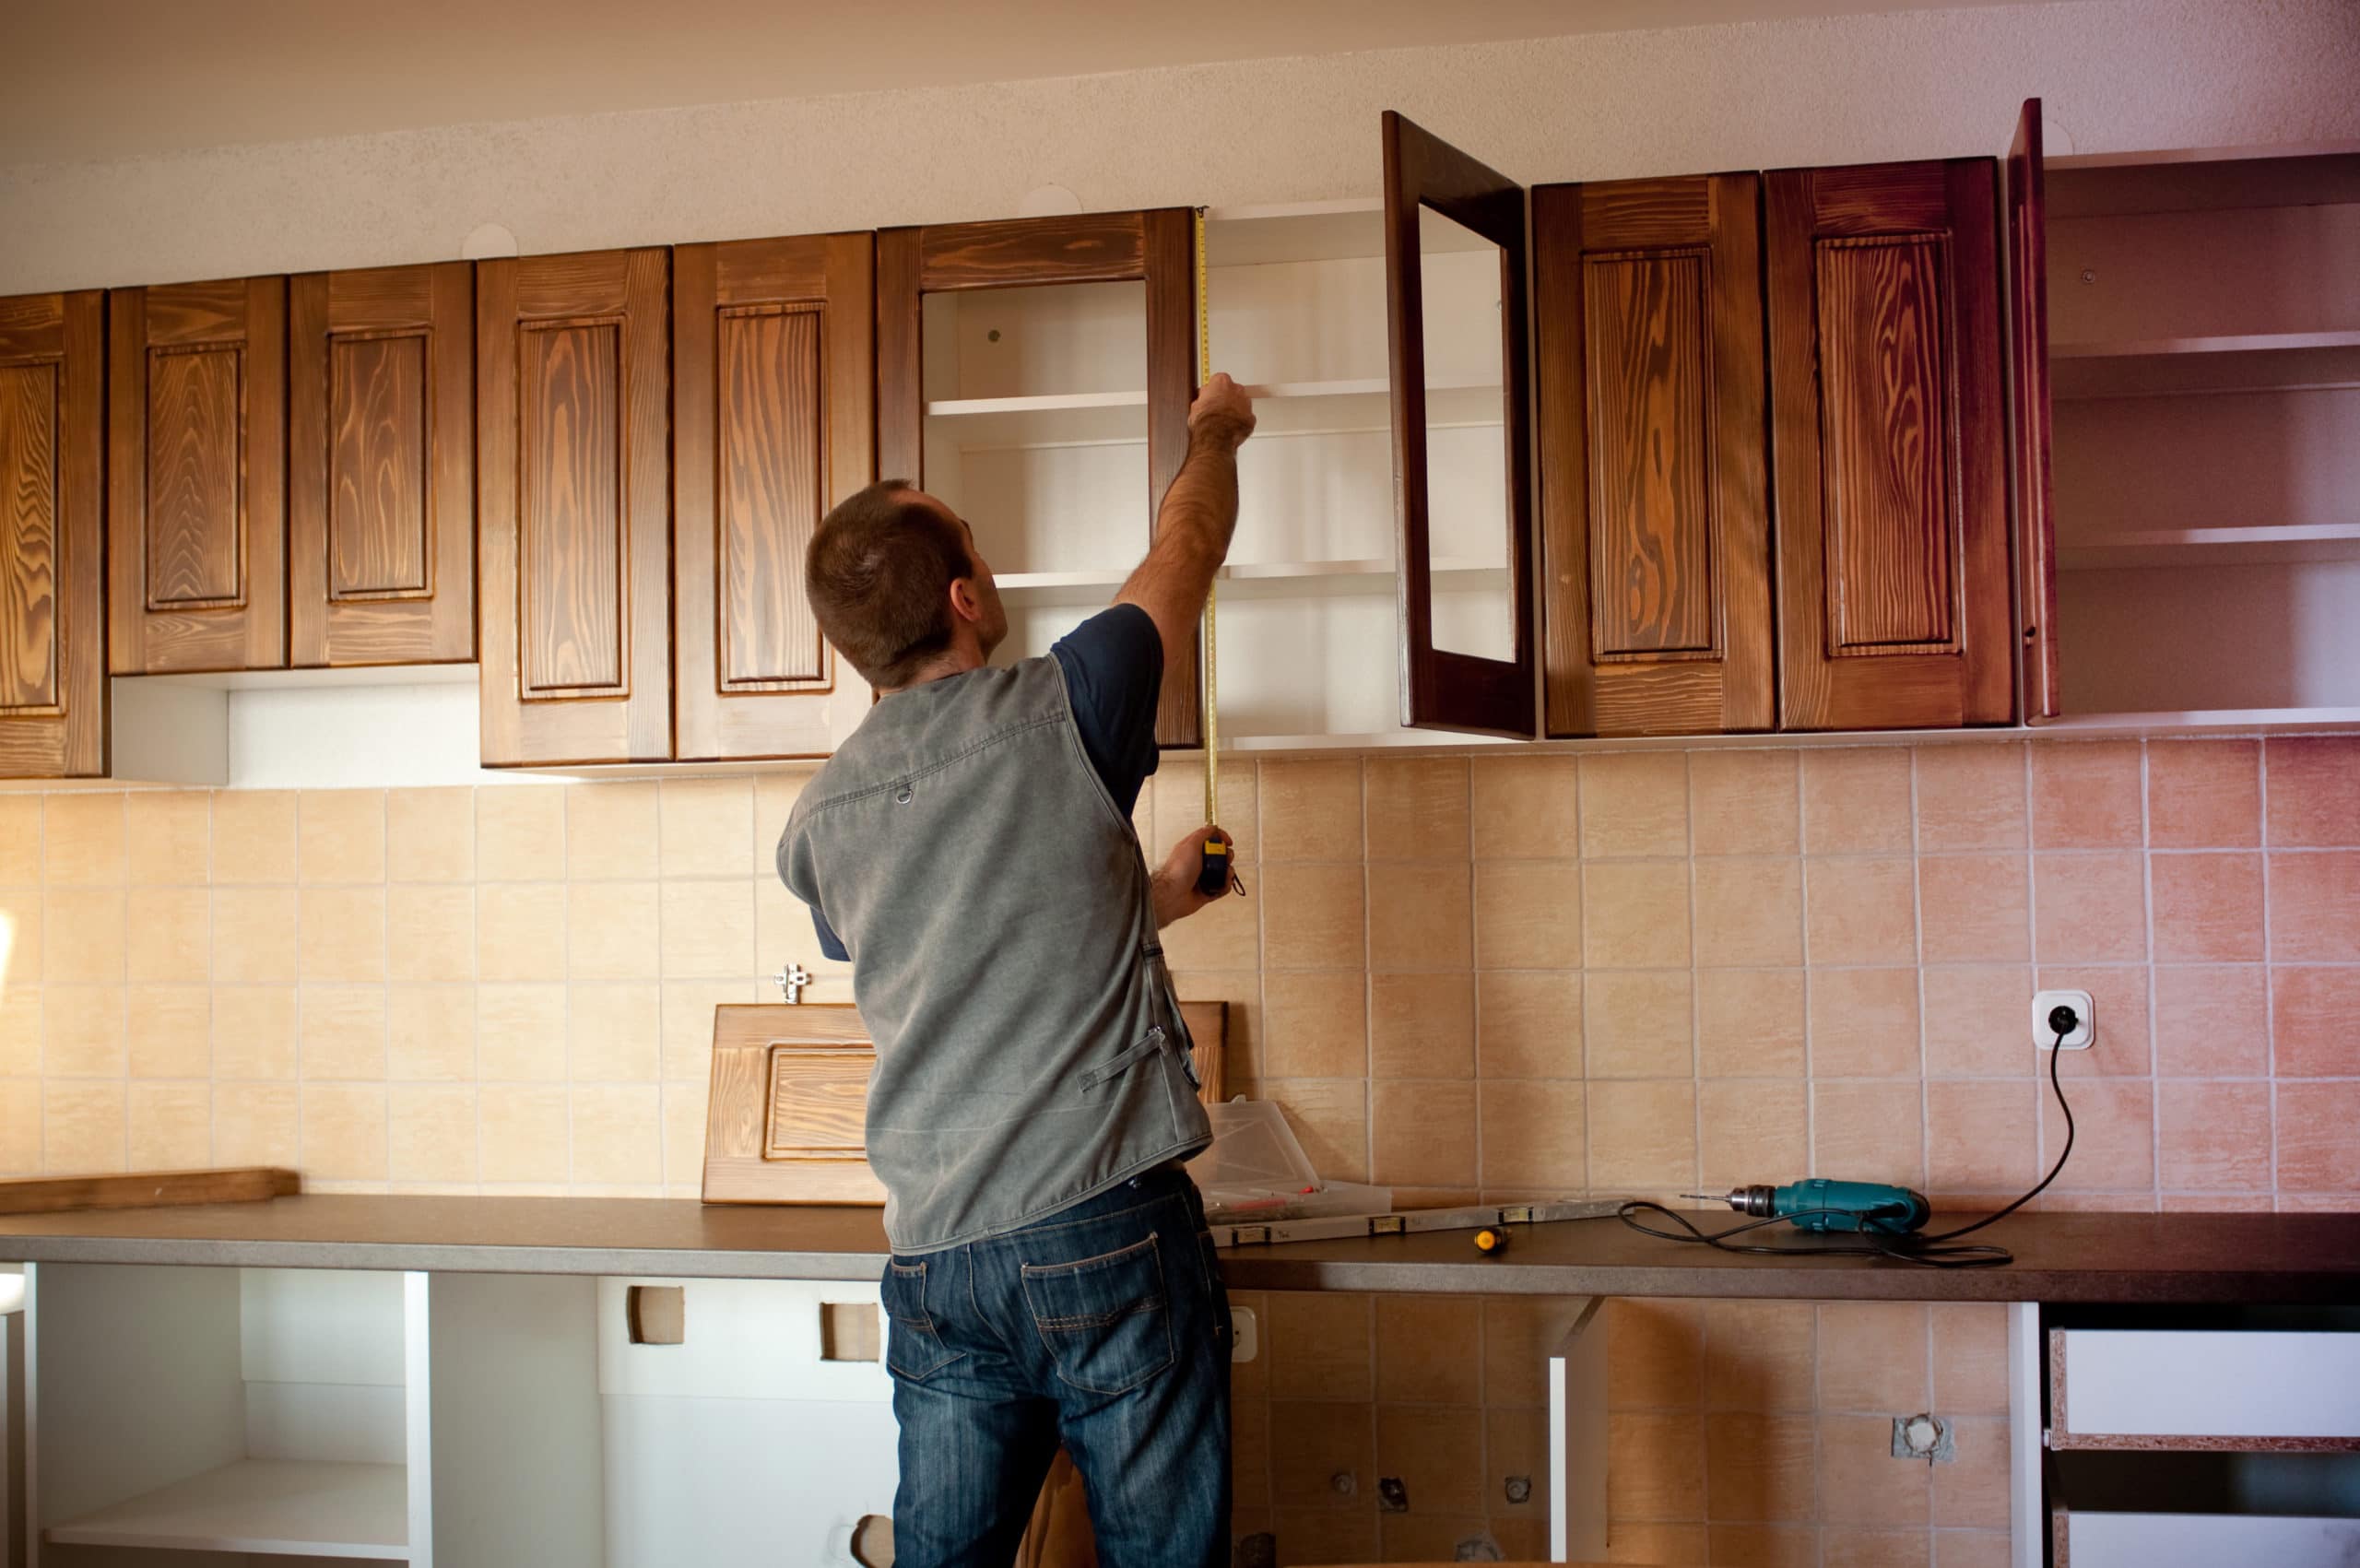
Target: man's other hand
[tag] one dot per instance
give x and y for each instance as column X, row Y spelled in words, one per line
column 1223, row 410
column 1172, row 889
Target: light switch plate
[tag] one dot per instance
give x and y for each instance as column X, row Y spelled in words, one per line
column 2082, row 1034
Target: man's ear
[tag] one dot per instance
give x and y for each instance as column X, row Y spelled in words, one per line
column 963, row 602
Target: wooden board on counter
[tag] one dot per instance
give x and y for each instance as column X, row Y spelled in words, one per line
column 785, row 1123
column 147, row 1189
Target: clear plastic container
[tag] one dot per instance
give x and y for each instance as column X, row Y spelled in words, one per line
column 1255, row 1170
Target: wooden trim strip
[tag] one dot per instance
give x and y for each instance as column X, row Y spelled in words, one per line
column 147, row 1189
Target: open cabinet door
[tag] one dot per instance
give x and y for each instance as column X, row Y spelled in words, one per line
column 2028, row 351
column 1467, row 655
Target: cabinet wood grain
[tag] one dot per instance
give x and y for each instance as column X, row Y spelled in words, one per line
column 1441, row 689
column 52, row 637
column 772, row 424
column 1888, row 447
column 574, row 474
column 197, row 529
column 1155, row 248
column 2028, row 367
column 1654, row 500
column 381, row 466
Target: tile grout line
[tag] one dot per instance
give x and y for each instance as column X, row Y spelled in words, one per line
column 2268, row 960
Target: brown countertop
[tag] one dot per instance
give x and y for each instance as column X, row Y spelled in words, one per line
column 2257, row 1258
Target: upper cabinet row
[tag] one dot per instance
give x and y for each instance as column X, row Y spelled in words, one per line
column 1726, row 453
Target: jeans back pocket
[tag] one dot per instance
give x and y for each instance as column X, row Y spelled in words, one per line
column 1106, row 1320
column 913, row 1346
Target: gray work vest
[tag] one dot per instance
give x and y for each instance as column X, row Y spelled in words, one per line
column 1030, row 1054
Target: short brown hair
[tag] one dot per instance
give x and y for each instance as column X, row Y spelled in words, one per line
column 878, row 575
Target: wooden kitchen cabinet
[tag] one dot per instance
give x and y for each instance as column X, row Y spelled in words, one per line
column 774, row 423
column 1888, row 447
column 1655, row 510
column 381, row 466
column 197, row 527
column 53, row 637
column 572, row 486
column 1024, row 366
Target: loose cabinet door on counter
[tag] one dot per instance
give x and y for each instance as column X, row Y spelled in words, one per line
column 197, row 527
column 53, row 634
column 381, row 466
column 573, row 373
column 1888, row 447
column 1654, row 494
column 774, row 421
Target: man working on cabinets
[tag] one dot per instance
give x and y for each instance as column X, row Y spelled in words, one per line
column 970, row 849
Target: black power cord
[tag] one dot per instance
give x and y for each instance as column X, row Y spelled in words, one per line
column 1927, row 1251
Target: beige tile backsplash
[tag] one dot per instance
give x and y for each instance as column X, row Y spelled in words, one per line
column 1497, row 975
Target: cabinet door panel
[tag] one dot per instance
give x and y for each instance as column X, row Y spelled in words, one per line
column 1442, row 687
column 1655, row 515
column 1886, row 424
column 196, row 521
column 1153, row 248
column 381, row 466
column 573, row 403
column 2028, row 360
column 774, row 408
column 52, row 641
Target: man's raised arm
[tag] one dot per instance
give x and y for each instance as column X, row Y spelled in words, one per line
column 1199, row 514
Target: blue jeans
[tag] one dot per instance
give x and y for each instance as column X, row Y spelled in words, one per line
column 1104, row 1325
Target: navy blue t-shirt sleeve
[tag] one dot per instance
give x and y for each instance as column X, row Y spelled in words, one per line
column 1113, row 665
column 831, row 945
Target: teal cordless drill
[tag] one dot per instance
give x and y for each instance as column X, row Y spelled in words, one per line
column 1818, row 1203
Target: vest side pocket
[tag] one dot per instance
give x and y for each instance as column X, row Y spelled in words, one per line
column 1105, row 1072
column 913, row 1348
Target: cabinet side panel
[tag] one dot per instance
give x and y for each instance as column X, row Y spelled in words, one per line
column 31, row 476
column 377, row 466
column 770, row 471
column 1890, row 512
column 569, row 523
column 195, row 510
column 1647, row 368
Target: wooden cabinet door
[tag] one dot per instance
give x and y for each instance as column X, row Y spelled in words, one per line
column 1443, row 689
column 196, row 525
column 1155, row 248
column 572, row 484
column 53, row 638
column 1654, row 509
column 1888, row 452
column 2028, row 361
column 381, row 466
column 773, row 418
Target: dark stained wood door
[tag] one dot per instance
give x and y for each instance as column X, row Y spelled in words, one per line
column 381, row 466
column 1888, row 447
column 52, row 636
column 1655, row 508
column 774, row 420
column 572, row 484
column 1441, row 689
column 196, row 524
column 1156, row 248
column 2028, row 361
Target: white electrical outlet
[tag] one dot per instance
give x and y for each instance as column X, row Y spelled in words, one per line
column 2081, row 1035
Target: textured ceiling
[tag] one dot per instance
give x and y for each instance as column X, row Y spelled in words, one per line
column 113, row 78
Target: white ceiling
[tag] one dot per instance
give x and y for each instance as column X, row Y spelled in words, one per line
column 113, row 79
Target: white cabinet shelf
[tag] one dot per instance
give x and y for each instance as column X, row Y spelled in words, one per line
column 1250, row 579
column 1300, row 408
column 280, row 1507
column 2242, row 343
column 2217, row 547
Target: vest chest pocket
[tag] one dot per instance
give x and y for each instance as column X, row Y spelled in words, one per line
column 1106, row 1320
column 913, row 1348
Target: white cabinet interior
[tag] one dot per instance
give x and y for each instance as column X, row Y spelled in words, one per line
column 2204, row 348
column 1036, row 432
column 210, row 1411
